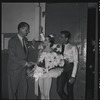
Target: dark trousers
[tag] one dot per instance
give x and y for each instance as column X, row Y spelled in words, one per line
column 63, row 80
column 17, row 85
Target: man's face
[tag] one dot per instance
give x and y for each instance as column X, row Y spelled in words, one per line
column 63, row 39
column 24, row 31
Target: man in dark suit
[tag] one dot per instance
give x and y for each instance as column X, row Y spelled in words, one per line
column 17, row 63
column 68, row 75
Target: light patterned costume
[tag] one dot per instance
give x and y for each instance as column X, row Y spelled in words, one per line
column 50, row 65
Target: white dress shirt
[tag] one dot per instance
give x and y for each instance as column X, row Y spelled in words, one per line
column 20, row 39
column 71, row 55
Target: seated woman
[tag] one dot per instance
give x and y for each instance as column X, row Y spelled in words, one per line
column 49, row 65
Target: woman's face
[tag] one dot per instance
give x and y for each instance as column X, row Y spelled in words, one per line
column 46, row 42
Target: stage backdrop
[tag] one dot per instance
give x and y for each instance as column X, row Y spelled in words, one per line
column 71, row 17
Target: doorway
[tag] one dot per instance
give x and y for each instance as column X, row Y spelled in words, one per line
column 90, row 69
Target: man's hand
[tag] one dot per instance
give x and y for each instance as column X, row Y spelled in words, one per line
column 72, row 80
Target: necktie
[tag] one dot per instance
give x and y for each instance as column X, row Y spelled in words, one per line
column 24, row 45
column 63, row 46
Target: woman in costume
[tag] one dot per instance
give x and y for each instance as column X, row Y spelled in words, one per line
column 49, row 66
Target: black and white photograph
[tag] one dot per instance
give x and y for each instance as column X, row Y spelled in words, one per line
column 49, row 50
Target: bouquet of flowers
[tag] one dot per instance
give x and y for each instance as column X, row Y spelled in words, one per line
column 47, row 62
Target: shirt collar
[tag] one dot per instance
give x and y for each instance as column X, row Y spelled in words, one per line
column 20, row 37
column 67, row 44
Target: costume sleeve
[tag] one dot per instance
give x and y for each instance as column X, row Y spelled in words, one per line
column 75, row 57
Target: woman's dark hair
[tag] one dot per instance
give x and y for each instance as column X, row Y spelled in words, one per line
column 22, row 24
column 51, row 40
column 66, row 33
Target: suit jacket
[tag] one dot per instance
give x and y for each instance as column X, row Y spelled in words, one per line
column 17, row 56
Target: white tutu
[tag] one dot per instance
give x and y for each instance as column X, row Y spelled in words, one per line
column 53, row 73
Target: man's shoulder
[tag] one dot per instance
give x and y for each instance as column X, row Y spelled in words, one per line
column 12, row 39
column 72, row 46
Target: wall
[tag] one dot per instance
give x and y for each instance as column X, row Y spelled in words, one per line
column 13, row 13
